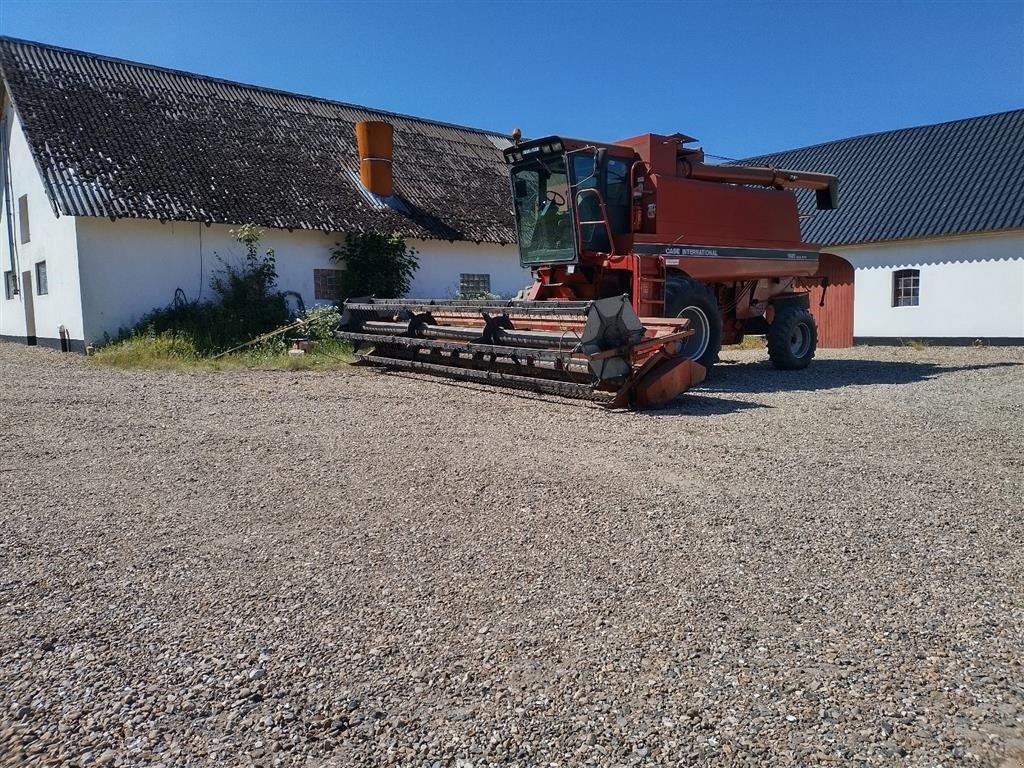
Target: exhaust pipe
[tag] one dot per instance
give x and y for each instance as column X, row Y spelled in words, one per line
column 375, row 140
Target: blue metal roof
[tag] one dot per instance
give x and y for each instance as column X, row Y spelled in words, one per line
column 951, row 178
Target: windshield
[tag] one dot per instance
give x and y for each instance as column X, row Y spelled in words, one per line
column 543, row 215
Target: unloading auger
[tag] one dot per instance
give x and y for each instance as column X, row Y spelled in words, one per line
column 597, row 350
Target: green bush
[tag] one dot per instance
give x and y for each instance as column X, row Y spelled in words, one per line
column 321, row 322
column 246, row 304
column 376, row 265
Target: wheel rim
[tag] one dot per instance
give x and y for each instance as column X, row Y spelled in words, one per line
column 800, row 340
column 696, row 345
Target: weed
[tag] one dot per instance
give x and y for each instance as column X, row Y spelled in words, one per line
column 150, row 350
column 749, row 342
column 321, row 322
column 167, row 351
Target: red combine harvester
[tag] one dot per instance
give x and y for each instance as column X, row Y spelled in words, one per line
column 646, row 260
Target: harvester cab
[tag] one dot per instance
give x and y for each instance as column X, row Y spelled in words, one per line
column 645, row 261
column 569, row 197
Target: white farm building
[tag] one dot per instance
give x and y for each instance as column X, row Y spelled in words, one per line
column 932, row 220
column 121, row 183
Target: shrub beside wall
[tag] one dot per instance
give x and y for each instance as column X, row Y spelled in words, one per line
column 246, row 303
column 376, row 265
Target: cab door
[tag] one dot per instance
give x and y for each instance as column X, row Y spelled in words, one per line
column 587, row 176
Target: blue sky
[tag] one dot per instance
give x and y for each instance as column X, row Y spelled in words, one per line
column 745, row 78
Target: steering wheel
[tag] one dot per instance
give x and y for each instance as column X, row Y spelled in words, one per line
column 555, row 197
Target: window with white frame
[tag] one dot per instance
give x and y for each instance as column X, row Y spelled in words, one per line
column 10, row 284
column 474, row 285
column 41, row 287
column 906, row 287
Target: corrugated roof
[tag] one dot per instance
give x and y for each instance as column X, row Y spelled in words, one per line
column 952, row 178
column 118, row 138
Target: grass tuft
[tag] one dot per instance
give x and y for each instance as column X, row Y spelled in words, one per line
column 167, row 351
column 157, row 351
column 749, row 342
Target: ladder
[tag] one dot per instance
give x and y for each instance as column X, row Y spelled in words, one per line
column 648, row 285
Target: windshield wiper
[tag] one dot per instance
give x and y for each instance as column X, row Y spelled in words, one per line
column 542, row 164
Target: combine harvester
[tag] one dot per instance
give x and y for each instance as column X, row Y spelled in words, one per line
column 645, row 259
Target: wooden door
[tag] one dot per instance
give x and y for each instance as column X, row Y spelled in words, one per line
column 27, row 299
column 835, row 318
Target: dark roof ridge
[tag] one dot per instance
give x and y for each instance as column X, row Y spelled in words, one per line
column 239, row 84
column 889, row 132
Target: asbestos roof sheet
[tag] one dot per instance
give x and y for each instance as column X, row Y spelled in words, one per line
column 951, row 178
column 117, row 138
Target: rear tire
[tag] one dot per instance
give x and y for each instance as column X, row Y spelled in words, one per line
column 685, row 297
column 792, row 338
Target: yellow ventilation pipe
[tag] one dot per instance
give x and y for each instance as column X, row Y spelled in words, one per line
column 376, row 145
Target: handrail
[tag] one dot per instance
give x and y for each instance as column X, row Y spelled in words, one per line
column 602, row 220
column 632, row 172
column 634, row 225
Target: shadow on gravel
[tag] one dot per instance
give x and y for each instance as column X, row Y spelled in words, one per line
column 750, row 378
column 827, row 374
column 699, row 404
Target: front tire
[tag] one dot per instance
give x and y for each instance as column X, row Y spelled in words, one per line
column 685, row 297
column 792, row 338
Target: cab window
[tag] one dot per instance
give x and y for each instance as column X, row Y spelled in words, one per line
column 617, row 198
column 586, row 176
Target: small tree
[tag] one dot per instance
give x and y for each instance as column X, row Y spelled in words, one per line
column 248, row 302
column 376, row 265
column 252, row 280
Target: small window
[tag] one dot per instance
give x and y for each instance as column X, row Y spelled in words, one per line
column 906, row 288
column 41, row 287
column 474, row 286
column 26, row 235
column 327, row 284
column 10, row 285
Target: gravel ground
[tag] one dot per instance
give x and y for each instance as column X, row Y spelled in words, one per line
column 815, row 568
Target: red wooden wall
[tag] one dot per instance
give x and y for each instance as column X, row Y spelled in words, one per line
column 835, row 319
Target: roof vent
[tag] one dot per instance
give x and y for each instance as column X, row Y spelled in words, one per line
column 376, row 145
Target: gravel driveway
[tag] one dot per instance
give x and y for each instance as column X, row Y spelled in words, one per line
column 816, row 568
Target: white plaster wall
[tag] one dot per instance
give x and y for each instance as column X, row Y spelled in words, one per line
column 131, row 266
column 442, row 262
column 971, row 286
column 53, row 240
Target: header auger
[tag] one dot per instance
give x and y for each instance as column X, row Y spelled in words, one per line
column 595, row 350
column 644, row 257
